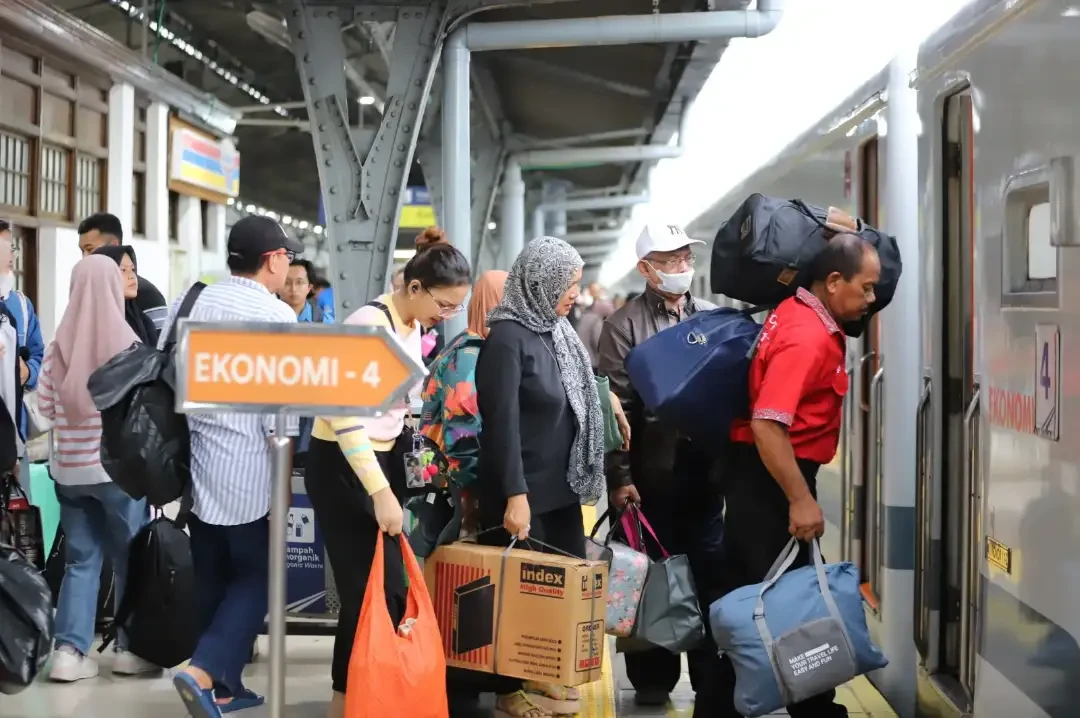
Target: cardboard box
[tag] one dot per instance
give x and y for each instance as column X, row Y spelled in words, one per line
column 551, row 623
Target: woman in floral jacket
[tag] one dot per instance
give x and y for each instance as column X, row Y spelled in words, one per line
column 450, row 416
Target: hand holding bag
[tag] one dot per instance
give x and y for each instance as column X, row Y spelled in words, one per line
column 397, row 670
column 669, row 615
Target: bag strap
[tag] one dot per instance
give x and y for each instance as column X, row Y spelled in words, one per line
column 642, row 521
column 185, row 309
column 385, row 310
column 25, row 317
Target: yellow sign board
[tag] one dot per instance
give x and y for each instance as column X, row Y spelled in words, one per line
column 417, row 216
column 998, row 555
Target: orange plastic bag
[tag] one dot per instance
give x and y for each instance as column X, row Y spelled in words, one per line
column 391, row 674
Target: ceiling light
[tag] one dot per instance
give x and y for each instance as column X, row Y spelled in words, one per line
column 230, row 201
column 272, row 215
column 367, row 100
column 303, row 224
column 492, row 225
column 318, row 229
column 286, row 219
column 404, row 255
column 250, row 208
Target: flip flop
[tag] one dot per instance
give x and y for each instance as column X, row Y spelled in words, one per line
column 247, row 699
column 198, row 701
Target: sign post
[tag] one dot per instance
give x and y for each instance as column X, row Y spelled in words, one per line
column 282, row 369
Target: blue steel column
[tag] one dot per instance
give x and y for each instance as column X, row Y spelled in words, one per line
column 901, row 346
column 457, row 154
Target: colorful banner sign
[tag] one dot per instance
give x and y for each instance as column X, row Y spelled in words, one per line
column 204, row 162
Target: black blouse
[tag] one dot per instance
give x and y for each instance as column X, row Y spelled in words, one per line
column 528, row 424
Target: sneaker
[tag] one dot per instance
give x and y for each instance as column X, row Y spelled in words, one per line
column 68, row 666
column 128, row 664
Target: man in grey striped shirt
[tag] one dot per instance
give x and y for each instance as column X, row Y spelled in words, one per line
column 231, row 475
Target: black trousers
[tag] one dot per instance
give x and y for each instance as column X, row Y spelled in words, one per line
column 756, row 531
column 346, row 516
column 560, row 529
column 686, row 512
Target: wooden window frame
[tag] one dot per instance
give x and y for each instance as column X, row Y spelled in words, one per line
column 42, row 82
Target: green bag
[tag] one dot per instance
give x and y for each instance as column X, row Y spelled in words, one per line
column 612, row 436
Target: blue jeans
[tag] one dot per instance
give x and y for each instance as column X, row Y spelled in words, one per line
column 232, row 571
column 96, row 519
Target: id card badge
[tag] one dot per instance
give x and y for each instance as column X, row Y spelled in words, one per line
column 420, row 467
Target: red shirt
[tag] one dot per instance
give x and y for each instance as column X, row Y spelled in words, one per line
column 797, row 378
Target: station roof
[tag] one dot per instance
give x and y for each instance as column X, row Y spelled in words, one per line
column 238, row 51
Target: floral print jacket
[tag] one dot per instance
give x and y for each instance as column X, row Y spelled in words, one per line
column 450, row 416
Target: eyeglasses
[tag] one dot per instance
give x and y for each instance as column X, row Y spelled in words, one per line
column 674, row 262
column 446, row 310
column 297, row 283
column 289, row 254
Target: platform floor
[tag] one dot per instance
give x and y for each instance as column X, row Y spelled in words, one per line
column 308, row 690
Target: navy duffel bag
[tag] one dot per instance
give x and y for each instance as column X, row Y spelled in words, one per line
column 695, row 374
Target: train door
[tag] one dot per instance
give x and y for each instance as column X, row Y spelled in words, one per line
column 944, row 623
column 864, row 486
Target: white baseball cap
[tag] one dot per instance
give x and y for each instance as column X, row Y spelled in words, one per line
column 662, row 238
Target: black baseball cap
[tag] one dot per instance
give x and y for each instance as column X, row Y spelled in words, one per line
column 255, row 235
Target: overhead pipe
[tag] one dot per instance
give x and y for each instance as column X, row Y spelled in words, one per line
column 632, row 133
column 583, row 205
column 578, row 32
column 594, row 237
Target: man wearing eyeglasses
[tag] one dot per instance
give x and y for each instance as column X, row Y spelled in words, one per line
column 662, row 472
column 231, row 470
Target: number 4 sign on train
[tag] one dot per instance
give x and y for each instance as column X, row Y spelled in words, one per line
column 305, row 369
column 1047, row 381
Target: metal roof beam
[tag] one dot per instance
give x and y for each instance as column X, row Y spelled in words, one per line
column 555, row 142
column 578, row 32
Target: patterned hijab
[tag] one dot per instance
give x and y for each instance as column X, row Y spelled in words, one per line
column 541, row 274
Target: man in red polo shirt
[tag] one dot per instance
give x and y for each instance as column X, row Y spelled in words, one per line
column 798, row 382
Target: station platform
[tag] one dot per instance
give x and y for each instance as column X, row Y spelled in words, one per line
column 308, row 688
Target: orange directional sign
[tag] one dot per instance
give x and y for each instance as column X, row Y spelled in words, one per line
column 300, row 368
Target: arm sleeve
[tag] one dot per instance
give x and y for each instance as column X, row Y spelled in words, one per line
column 35, row 344
column 349, row 431
column 789, row 368
column 614, row 347
column 46, row 391
column 498, row 383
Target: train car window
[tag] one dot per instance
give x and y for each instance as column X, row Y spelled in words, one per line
column 1041, row 256
column 1030, row 259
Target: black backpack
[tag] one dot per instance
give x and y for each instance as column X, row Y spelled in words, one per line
column 157, row 609
column 145, row 443
column 762, row 255
column 54, row 576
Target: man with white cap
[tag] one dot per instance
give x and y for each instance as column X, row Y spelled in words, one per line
column 661, row 471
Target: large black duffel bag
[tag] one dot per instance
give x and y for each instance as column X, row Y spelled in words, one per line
column 762, row 254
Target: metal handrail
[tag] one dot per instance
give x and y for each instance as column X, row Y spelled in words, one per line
column 873, row 500
column 847, row 490
column 921, row 618
column 969, row 563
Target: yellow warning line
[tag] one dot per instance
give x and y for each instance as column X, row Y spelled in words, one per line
column 598, row 697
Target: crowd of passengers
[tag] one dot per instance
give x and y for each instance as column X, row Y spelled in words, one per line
column 512, row 402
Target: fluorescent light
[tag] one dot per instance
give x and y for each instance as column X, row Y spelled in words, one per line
column 303, row 224
column 250, row 208
column 367, row 100
column 492, row 225
column 272, row 215
column 318, row 229
column 286, row 219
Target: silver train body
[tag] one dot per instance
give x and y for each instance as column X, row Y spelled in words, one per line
column 955, row 489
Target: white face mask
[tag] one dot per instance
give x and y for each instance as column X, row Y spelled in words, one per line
column 674, row 283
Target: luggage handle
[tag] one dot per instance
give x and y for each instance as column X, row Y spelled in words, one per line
column 780, row 566
column 619, row 512
column 827, row 226
column 641, row 522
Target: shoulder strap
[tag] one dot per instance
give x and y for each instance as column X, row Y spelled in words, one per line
column 385, row 310
column 25, row 317
column 185, row 310
column 316, row 314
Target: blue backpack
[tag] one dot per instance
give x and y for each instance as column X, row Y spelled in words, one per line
column 695, row 374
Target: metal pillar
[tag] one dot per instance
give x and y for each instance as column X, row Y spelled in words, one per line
column 512, row 214
column 457, row 145
column 554, row 212
column 538, row 223
column 429, row 156
column 362, row 189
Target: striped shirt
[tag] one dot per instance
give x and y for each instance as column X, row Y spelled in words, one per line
column 77, row 459
column 231, row 466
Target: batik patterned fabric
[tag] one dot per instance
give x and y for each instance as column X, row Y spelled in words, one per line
column 450, row 415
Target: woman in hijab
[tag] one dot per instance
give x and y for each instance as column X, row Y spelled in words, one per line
column 543, row 434
column 97, row 516
column 450, row 416
column 142, row 325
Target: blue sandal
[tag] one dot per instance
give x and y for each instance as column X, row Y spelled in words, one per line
column 198, row 701
column 247, row 699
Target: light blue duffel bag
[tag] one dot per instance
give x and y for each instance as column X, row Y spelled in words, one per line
column 794, row 635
